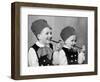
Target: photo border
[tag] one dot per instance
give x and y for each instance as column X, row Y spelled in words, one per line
column 15, row 39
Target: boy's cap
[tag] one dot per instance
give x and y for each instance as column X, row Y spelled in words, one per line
column 67, row 32
column 38, row 26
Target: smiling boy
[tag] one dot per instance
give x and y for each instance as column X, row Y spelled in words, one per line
column 40, row 54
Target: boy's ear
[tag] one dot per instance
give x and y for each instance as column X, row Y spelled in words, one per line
column 38, row 36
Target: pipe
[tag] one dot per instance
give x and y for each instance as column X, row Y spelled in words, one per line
column 60, row 40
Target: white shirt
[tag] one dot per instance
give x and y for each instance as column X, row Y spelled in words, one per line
column 59, row 58
column 32, row 56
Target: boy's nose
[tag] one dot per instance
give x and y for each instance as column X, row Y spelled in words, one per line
column 50, row 35
column 74, row 43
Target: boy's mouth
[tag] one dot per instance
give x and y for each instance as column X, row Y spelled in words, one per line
column 74, row 45
column 49, row 39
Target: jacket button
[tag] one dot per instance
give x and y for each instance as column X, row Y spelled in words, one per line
column 75, row 55
column 43, row 60
column 75, row 60
column 71, row 56
column 71, row 61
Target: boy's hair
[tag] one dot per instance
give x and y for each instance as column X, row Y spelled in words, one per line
column 38, row 26
column 67, row 32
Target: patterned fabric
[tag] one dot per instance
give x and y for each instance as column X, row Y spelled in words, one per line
column 43, row 57
column 71, row 55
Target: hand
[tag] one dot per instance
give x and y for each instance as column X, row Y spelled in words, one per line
column 59, row 46
column 83, row 49
column 81, row 56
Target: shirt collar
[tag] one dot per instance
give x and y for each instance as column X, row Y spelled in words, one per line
column 40, row 44
column 66, row 47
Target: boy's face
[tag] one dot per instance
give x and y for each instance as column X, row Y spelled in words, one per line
column 71, row 41
column 45, row 36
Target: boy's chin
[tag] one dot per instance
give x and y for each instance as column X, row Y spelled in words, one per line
column 70, row 47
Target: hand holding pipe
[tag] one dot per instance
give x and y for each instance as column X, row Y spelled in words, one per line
column 83, row 48
column 55, row 41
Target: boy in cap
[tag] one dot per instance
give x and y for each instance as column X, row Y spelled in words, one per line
column 40, row 54
column 69, row 54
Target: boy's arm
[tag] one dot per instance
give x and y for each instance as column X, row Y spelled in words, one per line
column 55, row 58
column 59, row 58
column 32, row 58
column 81, row 58
column 62, row 58
column 81, row 55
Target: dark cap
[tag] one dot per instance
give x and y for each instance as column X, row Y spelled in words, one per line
column 39, row 25
column 67, row 32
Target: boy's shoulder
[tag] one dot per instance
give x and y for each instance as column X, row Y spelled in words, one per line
column 35, row 46
column 64, row 48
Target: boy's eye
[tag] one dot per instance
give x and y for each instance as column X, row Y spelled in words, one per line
column 47, row 33
column 73, row 40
